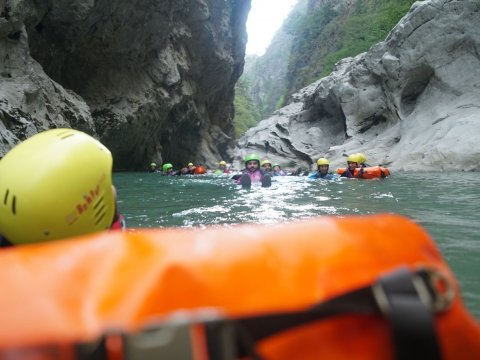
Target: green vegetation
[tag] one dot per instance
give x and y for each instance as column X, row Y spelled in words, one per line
column 370, row 24
column 247, row 114
column 335, row 32
column 319, row 39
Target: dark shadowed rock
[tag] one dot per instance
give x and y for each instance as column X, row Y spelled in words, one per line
column 411, row 102
column 155, row 79
column 29, row 100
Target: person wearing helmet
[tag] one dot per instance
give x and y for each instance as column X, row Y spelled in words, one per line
column 70, row 193
column 252, row 173
column 222, row 168
column 266, row 166
column 167, row 169
column 353, row 162
column 277, row 171
column 362, row 160
column 322, row 170
column 152, row 168
column 190, row 169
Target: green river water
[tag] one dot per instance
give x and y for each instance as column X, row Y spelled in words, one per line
column 447, row 205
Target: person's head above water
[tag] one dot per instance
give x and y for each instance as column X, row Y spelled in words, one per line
column 322, row 165
column 353, row 161
column 267, row 165
column 167, row 168
column 362, row 159
column 56, row 184
column 252, row 162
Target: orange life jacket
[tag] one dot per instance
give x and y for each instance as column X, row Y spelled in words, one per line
column 368, row 172
column 199, row 170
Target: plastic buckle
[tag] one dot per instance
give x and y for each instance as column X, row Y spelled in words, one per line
column 198, row 334
column 433, row 288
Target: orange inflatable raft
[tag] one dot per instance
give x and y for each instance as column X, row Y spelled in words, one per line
column 318, row 289
column 369, row 172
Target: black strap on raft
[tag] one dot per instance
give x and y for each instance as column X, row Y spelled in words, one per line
column 408, row 300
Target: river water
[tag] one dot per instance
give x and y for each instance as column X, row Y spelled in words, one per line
column 447, row 205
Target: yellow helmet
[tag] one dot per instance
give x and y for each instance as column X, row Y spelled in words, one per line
column 361, row 158
column 353, row 158
column 266, row 162
column 55, row 185
column 190, row 164
column 222, row 163
column 323, row 161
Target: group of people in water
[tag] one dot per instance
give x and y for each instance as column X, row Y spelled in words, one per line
column 167, row 169
column 75, row 168
column 257, row 171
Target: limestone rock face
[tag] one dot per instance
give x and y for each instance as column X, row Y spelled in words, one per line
column 411, row 102
column 29, row 100
column 154, row 79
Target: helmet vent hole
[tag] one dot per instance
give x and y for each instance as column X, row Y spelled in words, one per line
column 98, row 203
column 65, row 134
column 5, row 199
column 100, row 211
column 14, row 201
column 100, row 217
column 14, row 205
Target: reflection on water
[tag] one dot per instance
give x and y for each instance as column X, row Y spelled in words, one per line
column 447, row 205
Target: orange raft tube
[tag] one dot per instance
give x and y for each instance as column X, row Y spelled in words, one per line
column 371, row 172
column 75, row 291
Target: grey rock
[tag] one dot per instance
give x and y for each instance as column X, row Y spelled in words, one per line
column 29, row 100
column 411, row 102
column 153, row 80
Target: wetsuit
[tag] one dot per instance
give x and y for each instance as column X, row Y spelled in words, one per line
column 4, row 242
column 317, row 175
column 255, row 176
column 347, row 173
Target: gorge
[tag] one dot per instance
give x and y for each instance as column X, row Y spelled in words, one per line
column 154, row 81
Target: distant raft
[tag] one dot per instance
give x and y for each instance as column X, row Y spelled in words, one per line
column 369, row 172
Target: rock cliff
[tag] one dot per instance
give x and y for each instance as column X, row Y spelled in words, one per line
column 411, row 102
column 152, row 80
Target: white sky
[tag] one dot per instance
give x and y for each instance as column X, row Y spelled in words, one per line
column 264, row 19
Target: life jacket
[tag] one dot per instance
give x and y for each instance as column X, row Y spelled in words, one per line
column 365, row 172
column 199, row 170
column 244, row 291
